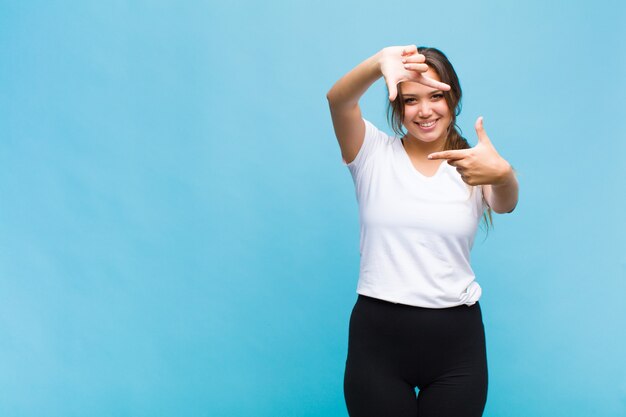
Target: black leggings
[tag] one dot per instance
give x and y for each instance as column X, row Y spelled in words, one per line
column 394, row 348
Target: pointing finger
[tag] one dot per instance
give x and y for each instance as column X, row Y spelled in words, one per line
column 454, row 154
column 458, row 163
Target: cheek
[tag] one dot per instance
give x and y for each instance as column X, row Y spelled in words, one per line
column 444, row 110
column 409, row 113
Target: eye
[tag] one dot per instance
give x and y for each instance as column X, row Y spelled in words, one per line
column 409, row 101
column 437, row 96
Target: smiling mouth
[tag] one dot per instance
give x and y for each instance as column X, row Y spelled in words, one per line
column 427, row 125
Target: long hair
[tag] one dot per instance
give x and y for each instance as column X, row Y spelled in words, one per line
column 438, row 62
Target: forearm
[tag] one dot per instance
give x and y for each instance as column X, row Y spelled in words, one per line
column 348, row 90
column 502, row 196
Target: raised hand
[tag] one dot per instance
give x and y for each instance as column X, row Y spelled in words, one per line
column 403, row 63
column 478, row 165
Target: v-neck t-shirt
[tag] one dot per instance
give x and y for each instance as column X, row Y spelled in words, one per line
column 416, row 231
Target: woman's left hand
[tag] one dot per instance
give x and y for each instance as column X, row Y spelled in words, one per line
column 478, row 165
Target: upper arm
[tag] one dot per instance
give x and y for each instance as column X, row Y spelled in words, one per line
column 349, row 129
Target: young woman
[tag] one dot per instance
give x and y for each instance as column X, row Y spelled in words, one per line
column 421, row 194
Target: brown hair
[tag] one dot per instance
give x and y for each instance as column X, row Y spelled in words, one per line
column 438, row 62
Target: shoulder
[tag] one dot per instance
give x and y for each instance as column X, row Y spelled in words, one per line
column 374, row 141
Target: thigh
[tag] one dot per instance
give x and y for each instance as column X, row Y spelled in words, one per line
column 372, row 393
column 459, row 386
column 373, row 382
column 456, row 395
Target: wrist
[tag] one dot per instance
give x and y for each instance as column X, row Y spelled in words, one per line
column 377, row 61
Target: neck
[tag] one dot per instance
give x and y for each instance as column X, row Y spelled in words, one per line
column 420, row 149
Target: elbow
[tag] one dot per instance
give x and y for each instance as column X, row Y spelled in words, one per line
column 512, row 209
column 335, row 97
column 330, row 96
column 503, row 208
column 503, row 198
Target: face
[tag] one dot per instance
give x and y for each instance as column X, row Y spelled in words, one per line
column 426, row 112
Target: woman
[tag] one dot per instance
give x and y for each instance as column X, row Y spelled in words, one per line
column 417, row 322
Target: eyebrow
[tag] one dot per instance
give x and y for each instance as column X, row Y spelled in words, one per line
column 417, row 95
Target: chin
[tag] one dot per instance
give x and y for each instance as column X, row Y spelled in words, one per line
column 429, row 138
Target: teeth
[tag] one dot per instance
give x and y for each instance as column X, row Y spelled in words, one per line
column 429, row 124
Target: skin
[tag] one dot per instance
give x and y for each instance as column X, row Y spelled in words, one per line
column 424, row 104
column 480, row 165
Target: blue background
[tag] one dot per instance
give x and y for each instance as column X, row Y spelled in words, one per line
column 178, row 235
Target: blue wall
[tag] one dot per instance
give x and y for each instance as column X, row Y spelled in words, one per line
column 178, row 235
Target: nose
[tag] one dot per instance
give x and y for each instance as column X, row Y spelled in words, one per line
column 424, row 111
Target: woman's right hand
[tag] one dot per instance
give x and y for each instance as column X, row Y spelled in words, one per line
column 403, row 63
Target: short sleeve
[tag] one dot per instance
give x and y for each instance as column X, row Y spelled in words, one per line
column 374, row 140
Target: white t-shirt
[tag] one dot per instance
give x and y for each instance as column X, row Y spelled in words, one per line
column 416, row 231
